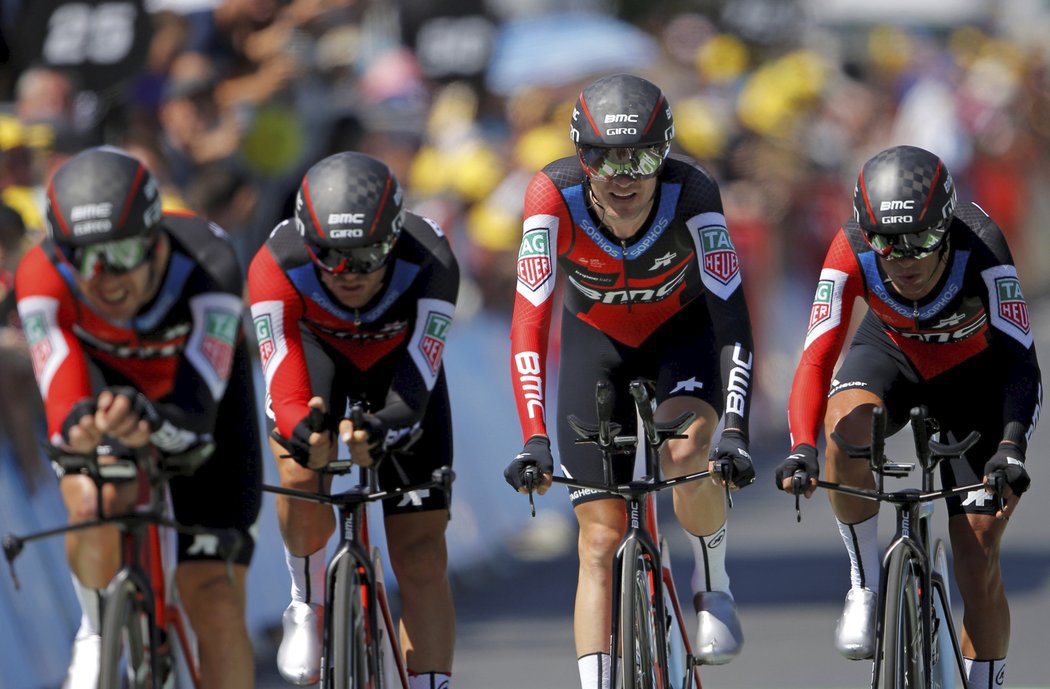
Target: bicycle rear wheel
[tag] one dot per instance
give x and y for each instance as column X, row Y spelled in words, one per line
column 638, row 624
column 129, row 633
column 349, row 662
column 903, row 629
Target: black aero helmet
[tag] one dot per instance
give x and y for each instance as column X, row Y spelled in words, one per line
column 622, row 125
column 100, row 195
column 348, row 211
column 904, row 202
column 103, row 209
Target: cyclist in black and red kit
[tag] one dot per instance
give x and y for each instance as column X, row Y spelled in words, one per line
column 133, row 319
column 652, row 289
column 352, row 301
column 947, row 327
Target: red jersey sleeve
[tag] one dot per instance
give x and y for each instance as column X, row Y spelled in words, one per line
column 546, row 218
column 839, row 286
column 48, row 310
column 277, row 309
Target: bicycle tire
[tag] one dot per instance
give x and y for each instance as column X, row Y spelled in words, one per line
column 129, row 634
column 349, row 660
column 902, row 629
column 943, row 663
column 638, row 626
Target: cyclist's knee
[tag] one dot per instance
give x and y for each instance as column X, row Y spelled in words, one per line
column 207, row 593
column 421, row 561
column 598, row 543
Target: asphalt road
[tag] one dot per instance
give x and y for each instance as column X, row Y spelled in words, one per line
column 514, row 613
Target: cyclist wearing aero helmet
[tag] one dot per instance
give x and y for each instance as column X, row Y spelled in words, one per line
column 352, row 300
column 133, row 319
column 652, row 289
column 947, row 327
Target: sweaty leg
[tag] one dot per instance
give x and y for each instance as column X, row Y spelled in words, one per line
column 419, row 558
column 699, row 505
column 216, row 611
column 305, row 526
column 975, row 541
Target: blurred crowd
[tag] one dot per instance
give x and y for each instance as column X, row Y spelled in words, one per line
column 229, row 101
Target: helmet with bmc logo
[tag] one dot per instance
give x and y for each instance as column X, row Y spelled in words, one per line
column 622, row 125
column 904, row 202
column 348, row 211
column 103, row 210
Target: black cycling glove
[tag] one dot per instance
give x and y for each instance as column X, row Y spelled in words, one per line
column 802, row 458
column 140, row 405
column 85, row 407
column 298, row 445
column 1009, row 461
column 732, row 448
column 537, row 453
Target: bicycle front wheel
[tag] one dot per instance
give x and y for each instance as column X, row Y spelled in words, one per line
column 638, row 625
column 350, row 661
column 904, row 665
column 129, row 633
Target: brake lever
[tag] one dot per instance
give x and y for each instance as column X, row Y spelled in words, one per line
column 798, row 481
column 12, row 547
column 529, row 477
column 996, row 483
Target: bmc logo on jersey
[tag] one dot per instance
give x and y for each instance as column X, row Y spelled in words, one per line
column 821, row 309
column 264, row 336
column 1012, row 306
column 534, row 263
column 720, row 259
column 432, row 345
column 220, row 333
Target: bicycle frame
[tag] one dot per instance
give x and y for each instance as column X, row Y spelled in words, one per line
column 355, row 560
column 912, row 537
column 641, row 538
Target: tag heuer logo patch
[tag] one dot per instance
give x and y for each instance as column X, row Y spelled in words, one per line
column 821, row 309
column 35, row 328
column 534, row 264
column 432, row 345
column 264, row 336
column 220, row 333
column 720, row 259
column 1012, row 306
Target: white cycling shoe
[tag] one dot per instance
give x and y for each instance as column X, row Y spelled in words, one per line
column 718, row 636
column 299, row 656
column 855, row 631
column 84, row 663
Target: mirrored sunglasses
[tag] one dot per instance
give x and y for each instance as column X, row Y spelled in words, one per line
column 639, row 162
column 913, row 245
column 362, row 259
column 114, row 258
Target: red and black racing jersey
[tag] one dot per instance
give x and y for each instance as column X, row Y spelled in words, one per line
column 177, row 350
column 408, row 321
column 626, row 288
column 975, row 305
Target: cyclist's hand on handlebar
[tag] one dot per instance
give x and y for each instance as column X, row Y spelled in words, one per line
column 126, row 414
column 731, row 458
column 359, row 440
column 79, row 432
column 536, row 453
column 1008, row 463
column 803, row 462
column 312, row 444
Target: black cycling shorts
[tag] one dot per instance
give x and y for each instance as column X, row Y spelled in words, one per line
column 224, row 493
column 340, row 383
column 680, row 357
column 968, row 397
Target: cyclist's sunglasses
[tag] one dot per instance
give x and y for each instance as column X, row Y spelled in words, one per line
column 915, row 245
column 114, row 258
column 361, row 259
column 636, row 162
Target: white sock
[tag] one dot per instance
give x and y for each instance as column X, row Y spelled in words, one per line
column 985, row 674
column 430, row 680
column 307, row 576
column 594, row 670
column 90, row 609
column 709, row 552
column 862, row 544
